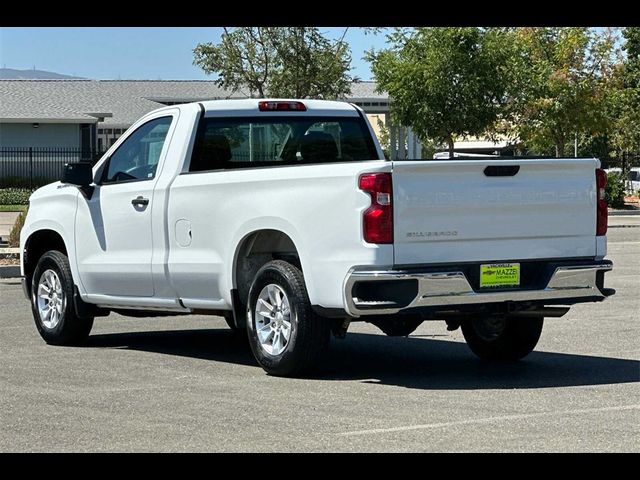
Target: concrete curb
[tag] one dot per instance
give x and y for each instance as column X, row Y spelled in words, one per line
column 9, row 271
column 9, row 253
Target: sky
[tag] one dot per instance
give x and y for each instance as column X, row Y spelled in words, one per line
column 150, row 53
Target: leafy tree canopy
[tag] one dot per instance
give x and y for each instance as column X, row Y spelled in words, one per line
column 444, row 82
column 293, row 62
column 563, row 77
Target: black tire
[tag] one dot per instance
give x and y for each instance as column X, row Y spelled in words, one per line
column 69, row 329
column 398, row 326
column 309, row 335
column 502, row 339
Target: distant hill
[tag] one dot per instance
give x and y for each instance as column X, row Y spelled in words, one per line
column 13, row 74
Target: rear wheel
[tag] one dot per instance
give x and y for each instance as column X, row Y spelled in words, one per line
column 52, row 290
column 286, row 336
column 502, row 338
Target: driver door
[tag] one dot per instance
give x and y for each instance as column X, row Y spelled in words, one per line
column 114, row 243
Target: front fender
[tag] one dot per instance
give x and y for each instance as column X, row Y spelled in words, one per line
column 52, row 208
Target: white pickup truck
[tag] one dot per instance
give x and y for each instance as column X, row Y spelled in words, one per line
column 284, row 217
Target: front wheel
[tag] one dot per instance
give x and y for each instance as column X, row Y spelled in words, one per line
column 52, row 305
column 286, row 336
column 502, row 338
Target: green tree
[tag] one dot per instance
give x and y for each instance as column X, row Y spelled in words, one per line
column 444, row 82
column 562, row 83
column 625, row 137
column 297, row 62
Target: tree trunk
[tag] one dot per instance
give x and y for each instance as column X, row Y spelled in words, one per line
column 450, row 143
column 560, row 144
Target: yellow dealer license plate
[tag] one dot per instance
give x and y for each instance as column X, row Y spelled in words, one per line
column 499, row 275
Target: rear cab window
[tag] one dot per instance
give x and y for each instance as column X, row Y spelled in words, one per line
column 230, row 143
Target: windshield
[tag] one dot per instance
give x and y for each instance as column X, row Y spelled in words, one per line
column 255, row 142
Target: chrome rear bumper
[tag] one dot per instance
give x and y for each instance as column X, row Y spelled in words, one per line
column 451, row 288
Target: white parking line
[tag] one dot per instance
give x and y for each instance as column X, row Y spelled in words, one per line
column 489, row 420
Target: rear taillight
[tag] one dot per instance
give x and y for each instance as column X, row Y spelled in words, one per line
column 378, row 218
column 602, row 213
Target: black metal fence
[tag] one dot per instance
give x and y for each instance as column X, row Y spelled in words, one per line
column 35, row 166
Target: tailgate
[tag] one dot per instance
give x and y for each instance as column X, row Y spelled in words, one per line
column 452, row 211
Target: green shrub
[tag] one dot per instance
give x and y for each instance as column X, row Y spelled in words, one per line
column 14, row 236
column 15, row 196
column 615, row 190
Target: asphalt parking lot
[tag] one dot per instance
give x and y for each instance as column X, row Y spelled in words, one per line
column 188, row 384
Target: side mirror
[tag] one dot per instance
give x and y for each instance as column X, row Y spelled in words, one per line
column 79, row 174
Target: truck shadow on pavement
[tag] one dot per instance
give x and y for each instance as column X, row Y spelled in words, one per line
column 413, row 362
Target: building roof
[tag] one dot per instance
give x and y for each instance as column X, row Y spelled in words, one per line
column 127, row 100
column 366, row 90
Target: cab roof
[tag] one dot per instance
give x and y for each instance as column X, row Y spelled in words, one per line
column 249, row 106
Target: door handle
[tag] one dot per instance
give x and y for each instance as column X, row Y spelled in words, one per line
column 140, row 201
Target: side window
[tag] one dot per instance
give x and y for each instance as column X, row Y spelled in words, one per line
column 138, row 156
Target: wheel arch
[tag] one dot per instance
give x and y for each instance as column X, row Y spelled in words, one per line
column 257, row 248
column 37, row 244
